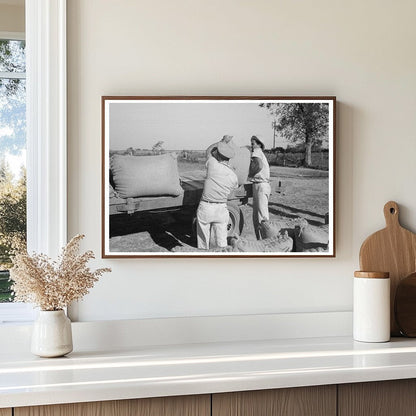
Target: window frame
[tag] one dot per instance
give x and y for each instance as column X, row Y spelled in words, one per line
column 46, row 136
column 46, row 125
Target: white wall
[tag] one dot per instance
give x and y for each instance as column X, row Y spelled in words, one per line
column 361, row 51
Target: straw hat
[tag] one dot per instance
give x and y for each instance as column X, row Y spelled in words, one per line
column 226, row 150
column 261, row 144
column 226, row 138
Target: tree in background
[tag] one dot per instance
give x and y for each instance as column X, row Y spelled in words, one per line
column 12, row 143
column 12, row 213
column 12, row 98
column 301, row 123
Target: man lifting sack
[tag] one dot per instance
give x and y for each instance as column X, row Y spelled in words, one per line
column 221, row 180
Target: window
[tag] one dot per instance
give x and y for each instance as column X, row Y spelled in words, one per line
column 12, row 154
column 12, row 165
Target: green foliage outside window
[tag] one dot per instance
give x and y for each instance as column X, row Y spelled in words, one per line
column 12, row 145
column 12, row 224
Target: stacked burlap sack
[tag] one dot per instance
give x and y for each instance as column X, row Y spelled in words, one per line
column 270, row 229
column 312, row 238
column 279, row 236
column 158, row 175
column 277, row 244
column 139, row 176
column 186, row 248
column 306, row 237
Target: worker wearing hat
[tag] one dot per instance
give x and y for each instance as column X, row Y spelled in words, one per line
column 221, row 180
column 225, row 139
column 259, row 175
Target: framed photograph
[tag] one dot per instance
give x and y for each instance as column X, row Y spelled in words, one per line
column 218, row 176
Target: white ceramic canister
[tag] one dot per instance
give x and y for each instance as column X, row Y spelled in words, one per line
column 371, row 309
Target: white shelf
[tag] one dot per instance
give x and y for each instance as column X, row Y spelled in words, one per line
column 151, row 371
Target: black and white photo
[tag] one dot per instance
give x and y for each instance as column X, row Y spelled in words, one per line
column 218, row 176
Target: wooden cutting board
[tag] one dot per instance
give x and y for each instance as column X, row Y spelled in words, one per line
column 405, row 306
column 393, row 250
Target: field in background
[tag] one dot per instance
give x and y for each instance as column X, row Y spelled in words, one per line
column 191, row 159
column 296, row 192
column 293, row 158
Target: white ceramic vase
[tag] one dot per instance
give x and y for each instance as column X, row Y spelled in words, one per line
column 52, row 334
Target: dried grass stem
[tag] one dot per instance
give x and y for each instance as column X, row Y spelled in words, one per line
column 53, row 285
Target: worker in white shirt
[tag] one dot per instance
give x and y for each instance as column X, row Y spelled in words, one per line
column 212, row 214
column 259, row 175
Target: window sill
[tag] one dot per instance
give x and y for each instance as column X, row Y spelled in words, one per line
column 16, row 313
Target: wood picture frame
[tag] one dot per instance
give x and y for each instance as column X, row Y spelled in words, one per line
column 166, row 181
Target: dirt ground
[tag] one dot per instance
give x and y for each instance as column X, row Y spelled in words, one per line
column 296, row 192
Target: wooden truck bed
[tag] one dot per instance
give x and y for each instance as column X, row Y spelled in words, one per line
column 192, row 184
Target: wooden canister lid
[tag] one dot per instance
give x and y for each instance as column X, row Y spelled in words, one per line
column 372, row 275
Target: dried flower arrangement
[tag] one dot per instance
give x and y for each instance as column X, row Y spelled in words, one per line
column 53, row 285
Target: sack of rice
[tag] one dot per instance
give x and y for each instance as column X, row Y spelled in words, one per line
column 315, row 250
column 136, row 176
column 240, row 162
column 311, row 238
column 111, row 192
column 272, row 228
column 280, row 243
column 185, row 248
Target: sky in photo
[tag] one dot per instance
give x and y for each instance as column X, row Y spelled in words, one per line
column 186, row 125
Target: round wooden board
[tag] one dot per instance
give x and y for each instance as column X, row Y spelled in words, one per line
column 405, row 306
column 393, row 250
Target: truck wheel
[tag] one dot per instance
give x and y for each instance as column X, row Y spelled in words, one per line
column 236, row 221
